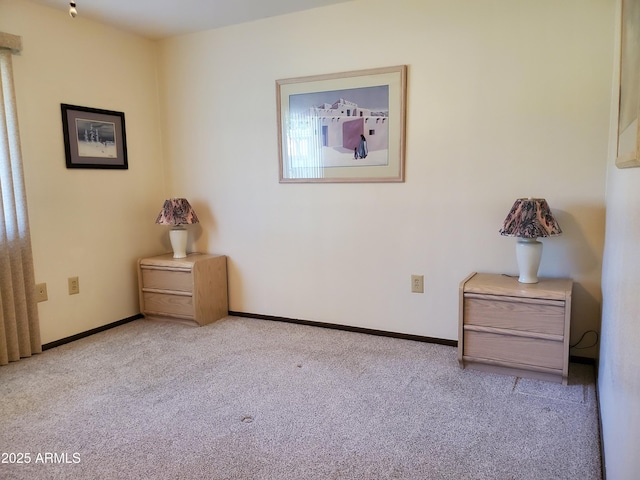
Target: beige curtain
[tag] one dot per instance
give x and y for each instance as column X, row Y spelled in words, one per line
column 19, row 325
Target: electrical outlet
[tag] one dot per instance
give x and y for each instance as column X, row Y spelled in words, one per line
column 41, row 292
column 417, row 283
column 74, row 285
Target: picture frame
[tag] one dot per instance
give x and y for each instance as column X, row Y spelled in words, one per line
column 628, row 148
column 343, row 127
column 94, row 138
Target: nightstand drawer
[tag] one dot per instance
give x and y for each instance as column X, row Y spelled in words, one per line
column 167, row 280
column 180, row 305
column 514, row 349
column 500, row 312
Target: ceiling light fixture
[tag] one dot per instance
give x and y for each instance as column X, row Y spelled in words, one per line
column 72, row 9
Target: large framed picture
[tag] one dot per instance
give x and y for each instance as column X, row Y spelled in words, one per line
column 628, row 126
column 343, row 127
column 94, row 138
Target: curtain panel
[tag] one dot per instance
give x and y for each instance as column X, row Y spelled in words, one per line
column 19, row 323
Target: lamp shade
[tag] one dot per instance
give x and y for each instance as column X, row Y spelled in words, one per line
column 177, row 211
column 530, row 218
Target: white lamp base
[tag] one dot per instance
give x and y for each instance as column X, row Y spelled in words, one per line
column 528, row 253
column 178, row 237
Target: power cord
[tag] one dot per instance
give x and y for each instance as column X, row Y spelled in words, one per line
column 575, row 345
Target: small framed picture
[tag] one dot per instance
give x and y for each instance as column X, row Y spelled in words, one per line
column 94, row 138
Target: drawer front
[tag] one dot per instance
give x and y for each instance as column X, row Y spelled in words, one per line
column 167, row 280
column 529, row 317
column 508, row 348
column 168, row 304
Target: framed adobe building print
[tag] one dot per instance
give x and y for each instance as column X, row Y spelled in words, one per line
column 343, row 127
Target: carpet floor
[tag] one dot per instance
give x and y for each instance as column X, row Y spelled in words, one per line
column 256, row 399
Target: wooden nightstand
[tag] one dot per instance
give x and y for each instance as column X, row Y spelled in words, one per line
column 191, row 290
column 515, row 328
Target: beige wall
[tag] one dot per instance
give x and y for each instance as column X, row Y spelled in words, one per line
column 505, row 99
column 87, row 223
column 619, row 381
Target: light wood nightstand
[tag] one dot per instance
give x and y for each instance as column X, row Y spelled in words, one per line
column 515, row 328
column 190, row 290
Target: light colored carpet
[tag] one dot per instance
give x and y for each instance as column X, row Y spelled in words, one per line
column 255, row 399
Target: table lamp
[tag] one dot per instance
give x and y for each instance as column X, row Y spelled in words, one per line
column 529, row 219
column 177, row 212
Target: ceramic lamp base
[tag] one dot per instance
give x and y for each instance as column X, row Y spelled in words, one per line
column 178, row 237
column 528, row 253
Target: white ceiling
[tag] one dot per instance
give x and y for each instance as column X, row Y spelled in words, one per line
column 164, row 18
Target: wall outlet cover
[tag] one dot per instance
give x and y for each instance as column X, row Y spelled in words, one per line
column 74, row 285
column 417, row 283
column 41, row 292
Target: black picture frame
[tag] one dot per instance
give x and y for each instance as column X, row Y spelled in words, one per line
column 94, row 138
